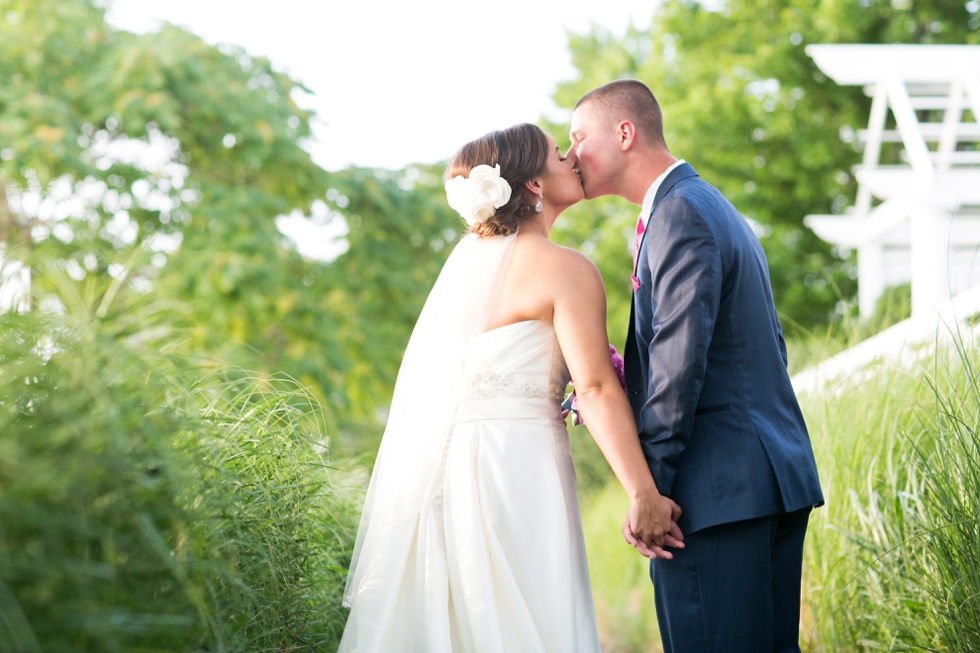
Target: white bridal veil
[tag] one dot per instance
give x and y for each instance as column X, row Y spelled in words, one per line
column 428, row 392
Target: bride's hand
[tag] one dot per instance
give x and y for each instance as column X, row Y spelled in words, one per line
column 673, row 539
column 651, row 525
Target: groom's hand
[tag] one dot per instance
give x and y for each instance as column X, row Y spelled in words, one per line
column 650, row 514
column 651, row 542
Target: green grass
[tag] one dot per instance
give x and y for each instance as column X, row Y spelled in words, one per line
column 149, row 504
column 621, row 587
column 856, row 588
column 892, row 560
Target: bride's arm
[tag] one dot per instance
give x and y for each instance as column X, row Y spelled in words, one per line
column 580, row 325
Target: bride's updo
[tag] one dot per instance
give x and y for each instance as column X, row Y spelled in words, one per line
column 522, row 153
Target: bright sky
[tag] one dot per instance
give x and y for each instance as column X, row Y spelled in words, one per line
column 398, row 82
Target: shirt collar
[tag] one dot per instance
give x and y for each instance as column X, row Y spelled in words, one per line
column 647, row 205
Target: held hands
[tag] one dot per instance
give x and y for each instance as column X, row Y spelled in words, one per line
column 651, row 525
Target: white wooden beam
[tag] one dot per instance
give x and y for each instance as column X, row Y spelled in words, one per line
column 930, row 260
column 971, row 83
column 872, row 148
column 871, row 277
column 908, row 125
column 931, row 131
column 951, row 120
column 926, row 66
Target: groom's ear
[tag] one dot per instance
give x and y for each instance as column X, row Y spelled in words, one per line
column 626, row 132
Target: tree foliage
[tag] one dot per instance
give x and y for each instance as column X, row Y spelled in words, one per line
column 749, row 109
column 113, row 141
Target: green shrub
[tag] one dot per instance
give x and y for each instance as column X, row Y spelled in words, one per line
column 894, row 305
column 592, row 471
column 140, row 511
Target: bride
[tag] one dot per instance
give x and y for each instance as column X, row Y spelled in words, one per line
column 470, row 540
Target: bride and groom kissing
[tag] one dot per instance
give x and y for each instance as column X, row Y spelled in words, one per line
column 471, row 540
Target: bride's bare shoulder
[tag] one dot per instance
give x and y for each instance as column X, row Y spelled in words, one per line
column 576, row 260
column 558, row 262
column 551, row 254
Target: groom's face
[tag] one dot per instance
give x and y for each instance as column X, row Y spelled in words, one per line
column 596, row 151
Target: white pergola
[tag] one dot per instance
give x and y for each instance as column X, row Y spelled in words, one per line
column 918, row 221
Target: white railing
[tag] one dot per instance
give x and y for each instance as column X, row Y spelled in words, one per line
column 903, row 344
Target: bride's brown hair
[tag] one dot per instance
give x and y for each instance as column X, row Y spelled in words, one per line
column 522, row 152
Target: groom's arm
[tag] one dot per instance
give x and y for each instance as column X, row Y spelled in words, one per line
column 782, row 341
column 685, row 292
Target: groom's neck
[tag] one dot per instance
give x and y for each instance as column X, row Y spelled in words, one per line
column 642, row 171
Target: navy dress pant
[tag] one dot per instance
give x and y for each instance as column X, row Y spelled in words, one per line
column 734, row 588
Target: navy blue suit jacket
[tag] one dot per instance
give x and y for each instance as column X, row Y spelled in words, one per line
column 718, row 420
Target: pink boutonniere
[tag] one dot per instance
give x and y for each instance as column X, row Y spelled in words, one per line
column 571, row 402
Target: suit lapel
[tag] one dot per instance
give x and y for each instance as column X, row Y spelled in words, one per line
column 683, row 171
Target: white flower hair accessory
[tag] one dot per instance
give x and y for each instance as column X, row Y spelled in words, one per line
column 478, row 196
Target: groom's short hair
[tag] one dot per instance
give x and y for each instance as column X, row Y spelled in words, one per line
column 632, row 100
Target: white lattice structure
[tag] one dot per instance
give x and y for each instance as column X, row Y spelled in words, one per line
column 918, row 221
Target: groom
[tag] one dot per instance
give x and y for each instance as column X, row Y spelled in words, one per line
column 706, row 369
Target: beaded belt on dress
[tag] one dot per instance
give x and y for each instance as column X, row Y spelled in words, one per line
column 490, row 385
column 491, row 395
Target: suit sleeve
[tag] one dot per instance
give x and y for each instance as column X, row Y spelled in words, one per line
column 685, row 294
column 782, row 342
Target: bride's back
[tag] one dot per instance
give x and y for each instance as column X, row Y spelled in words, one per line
column 531, row 282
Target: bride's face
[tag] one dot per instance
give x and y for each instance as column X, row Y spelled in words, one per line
column 560, row 184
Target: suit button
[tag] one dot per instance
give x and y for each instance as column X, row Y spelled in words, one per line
column 636, row 392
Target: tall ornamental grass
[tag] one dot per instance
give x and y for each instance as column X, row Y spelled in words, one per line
column 142, row 510
column 893, row 559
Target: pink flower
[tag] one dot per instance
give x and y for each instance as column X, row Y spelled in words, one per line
column 619, row 365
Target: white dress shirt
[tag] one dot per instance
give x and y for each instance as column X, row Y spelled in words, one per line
column 647, row 205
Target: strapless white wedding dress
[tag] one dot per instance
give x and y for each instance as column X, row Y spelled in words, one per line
column 497, row 564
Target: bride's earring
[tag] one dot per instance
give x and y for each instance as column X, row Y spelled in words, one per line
column 538, row 207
